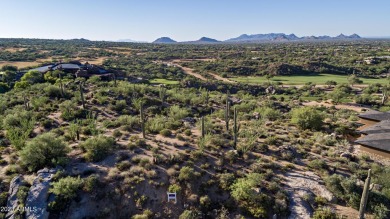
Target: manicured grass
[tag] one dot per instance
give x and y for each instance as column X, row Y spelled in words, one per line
column 162, row 81
column 303, row 79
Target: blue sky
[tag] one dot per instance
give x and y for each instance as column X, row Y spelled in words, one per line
column 146, row 20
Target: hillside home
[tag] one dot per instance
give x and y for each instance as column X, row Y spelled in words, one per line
column 375, row 136
column 80, row 70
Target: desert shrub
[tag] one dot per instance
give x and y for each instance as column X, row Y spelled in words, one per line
column 226, row 180
column 94, row 79
column 53, row 91
column 97, row 148
column 205, row 201
column 174, row 188
column 69, row 110
column 307, row 118
column 38, row 102
column 67, row 187
column 381, row 211
column 119, row 105
column 147, row 214
column 156, row 124
column 90, row 183
column 364, row 99
column 269, row 113
column 46, row 150
column 166, row 132
column 324, row 213
column 186, row 173
column 190, row 214
column 317, row 164
column 128, row 121
column 176, row 113
column 117, row 133
column 124, row 165
column 243, row 193
column 19, row 126
column 188, row 132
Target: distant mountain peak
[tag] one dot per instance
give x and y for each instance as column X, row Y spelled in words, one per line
column 164, row 40
column 208, row 40
column 245, row 38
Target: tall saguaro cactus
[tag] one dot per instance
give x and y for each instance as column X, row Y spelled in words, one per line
column 363, row 201
column 142, row 119
column 163, row 94
column 227, row 112
column 82, row 95
column 235, row 128
column 203, row 131
column 61, row 86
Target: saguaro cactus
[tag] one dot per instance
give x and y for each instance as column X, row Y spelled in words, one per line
column 363, row 201
column 142, row 119
column 202, row 128
column 163, row 95
column 235, row 128
column 207, row 97
column 227, row 112
column 82, row 95
column 61, row 86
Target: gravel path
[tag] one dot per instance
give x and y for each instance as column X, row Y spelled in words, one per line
column 300, row 185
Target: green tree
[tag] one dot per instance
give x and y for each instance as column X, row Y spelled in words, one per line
column 330, row 83
column 46, row 150
column 307, row 118
column 353, row 79
column 337, row 95
column 32, row 77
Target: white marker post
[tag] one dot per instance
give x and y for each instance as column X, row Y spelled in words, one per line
column 172, row 196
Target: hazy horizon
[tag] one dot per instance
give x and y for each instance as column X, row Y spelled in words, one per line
column 187, row 21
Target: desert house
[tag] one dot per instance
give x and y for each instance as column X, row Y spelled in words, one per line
column 375, row 135
column 81, row 70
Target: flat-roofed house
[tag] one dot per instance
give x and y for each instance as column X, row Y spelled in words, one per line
column 376, row 134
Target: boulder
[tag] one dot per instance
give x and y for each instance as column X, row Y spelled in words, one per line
column 12, row 202
column 38, row 195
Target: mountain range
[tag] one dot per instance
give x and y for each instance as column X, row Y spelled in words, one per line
column 257, row 38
